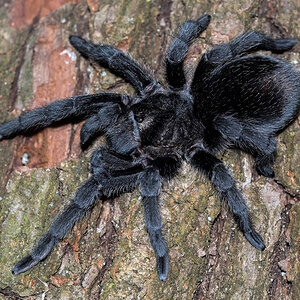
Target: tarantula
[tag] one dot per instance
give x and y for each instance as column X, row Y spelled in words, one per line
column 232, row 100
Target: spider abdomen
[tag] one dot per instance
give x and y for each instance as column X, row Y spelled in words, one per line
column 260, row 90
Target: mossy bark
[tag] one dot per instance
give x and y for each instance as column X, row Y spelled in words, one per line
column 108, row 255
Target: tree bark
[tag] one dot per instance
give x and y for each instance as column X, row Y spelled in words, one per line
column 108, row 254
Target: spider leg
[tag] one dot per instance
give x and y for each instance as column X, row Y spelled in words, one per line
column 123, row 136
column 115, row 61
column 149, row 180
column 264, row 162
column 178, row 49
column 246, row 43
column 77, row 107
column 255, row 141
column 254, row 41
column 263, row 148
column 119, row 126
column 92, row 128
column 85, row 197
column 221, row 132
column 150, row 184
column 106, row 162
column 103, row 183
column 97, row 123
column 225, row 185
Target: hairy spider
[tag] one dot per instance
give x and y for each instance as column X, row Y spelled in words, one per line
column 232, row 100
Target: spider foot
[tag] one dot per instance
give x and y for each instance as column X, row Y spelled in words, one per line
column 265, row 170
column 40, row 252
column 255, row 239
column 24, row 264
column 283, row 45
column 162, row 266
column 81, row 45
column 204, row 21
column 102, row 54
column 188, row 32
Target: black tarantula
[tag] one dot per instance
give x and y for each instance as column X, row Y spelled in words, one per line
column 232, row 100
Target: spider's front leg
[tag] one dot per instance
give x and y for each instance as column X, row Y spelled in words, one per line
column 119, row 127
column 84, row 199
column 117, row 122
column 225, row 185
column 74, row 109
column 115, row 61
column 243, row 44
column 178, row 49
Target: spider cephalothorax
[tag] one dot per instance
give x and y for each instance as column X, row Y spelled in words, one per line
column 233, row 100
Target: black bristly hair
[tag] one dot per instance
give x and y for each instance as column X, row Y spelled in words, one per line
column 233, row 100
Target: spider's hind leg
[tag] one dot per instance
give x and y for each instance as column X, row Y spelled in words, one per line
column 225, row 185
column 83, row 200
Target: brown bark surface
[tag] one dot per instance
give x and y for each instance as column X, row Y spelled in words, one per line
column 108, row 254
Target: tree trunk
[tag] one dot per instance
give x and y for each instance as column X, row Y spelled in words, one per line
column 108, row 254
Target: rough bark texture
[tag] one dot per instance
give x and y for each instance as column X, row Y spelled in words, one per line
column 108, row 254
